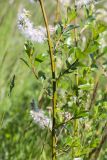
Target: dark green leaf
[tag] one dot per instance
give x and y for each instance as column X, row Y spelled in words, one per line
column 25, row 62
column 41, row 74
column 38, row 60
column 29, row 48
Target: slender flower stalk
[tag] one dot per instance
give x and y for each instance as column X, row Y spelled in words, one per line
column 52, row 59
column 33, row 67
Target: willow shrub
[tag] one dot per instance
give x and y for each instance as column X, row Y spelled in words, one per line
column 72, row 76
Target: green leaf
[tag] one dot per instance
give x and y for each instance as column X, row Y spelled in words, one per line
column 70, row 27
column 38, row 60
column 79, row 54
column 91, row 48
column 71, row 67
column 74, row 65
column 81, row 114
column 25, row 62
column 68, row 64
column 94, row 143
column 105, row 50
column 86, row 86
column 71, row 14
column 29, row 48
column 59, row 29
column 101, row 27
column 41, row 74
column 12, row 84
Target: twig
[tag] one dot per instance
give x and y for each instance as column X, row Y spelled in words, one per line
column 94, row 95
column 71, row 67
column 2, row 119
column 67, row 121
column 96, row 151
column 33, row 67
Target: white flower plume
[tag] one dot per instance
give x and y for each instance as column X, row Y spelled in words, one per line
column 31, row 1
column 77, row 158
column 80, row 3
column 37, row 34
column 65, row 2
column 41, row 119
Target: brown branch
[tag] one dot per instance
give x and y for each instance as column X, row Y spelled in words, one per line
column 94, row 94
column 96, row 151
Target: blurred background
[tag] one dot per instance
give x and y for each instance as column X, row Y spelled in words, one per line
column 19, row 138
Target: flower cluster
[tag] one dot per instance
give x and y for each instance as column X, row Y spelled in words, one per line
column 35, row 34
column 41, row 119
column 77, row 158
column 31, row 1
column 65, row 2
column 11, row 1
column 80, row 3
column 25, row 26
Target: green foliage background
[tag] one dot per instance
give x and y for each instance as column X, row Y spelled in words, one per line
column 20, row 139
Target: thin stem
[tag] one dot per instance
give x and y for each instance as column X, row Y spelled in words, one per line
column 67, row 121
column 94, row 154
column 94, row 94
column 76, row 76
column 52, row 59
column 59, row 39
column 33, row 68
column 67, row 70
column 2, row 119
